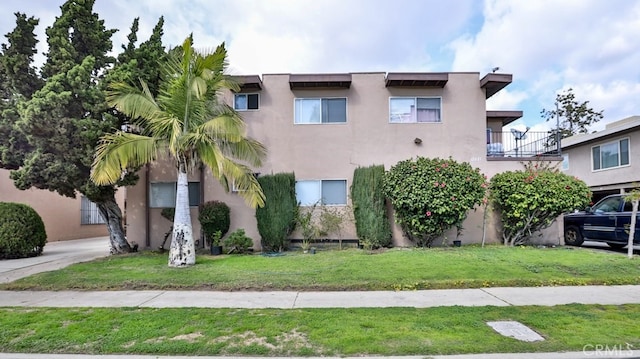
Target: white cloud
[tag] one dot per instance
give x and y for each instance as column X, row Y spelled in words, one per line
column 550, row 45
column 506, row 100
column 618, row 99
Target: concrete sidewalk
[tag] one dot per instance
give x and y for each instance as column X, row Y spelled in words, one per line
column 547, row 296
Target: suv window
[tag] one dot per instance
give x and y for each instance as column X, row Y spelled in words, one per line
column 608, row 205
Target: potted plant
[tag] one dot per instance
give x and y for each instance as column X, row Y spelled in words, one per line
column 215, row 220
column 216, row 246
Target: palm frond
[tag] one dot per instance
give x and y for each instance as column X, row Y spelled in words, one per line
column 212, row 157
column 198, row 87
column 245, row 182
column 119, row 151
column 131, row 101
column 247, row 150
column 229, row 83
column 226, row 127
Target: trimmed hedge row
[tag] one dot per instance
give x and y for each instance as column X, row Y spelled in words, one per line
column 369, row 209
column 277, row 219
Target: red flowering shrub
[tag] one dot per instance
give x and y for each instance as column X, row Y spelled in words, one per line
column 430, row 196
column 530, row 200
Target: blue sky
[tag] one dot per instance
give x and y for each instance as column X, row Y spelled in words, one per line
column 589, row 45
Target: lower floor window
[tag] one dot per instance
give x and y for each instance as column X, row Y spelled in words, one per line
column 89, row 213
column 323, row 192
column 163, row 194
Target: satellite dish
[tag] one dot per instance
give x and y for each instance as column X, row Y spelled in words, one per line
column 519, row 135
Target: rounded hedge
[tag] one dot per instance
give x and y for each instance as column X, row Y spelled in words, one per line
column 22, row 232
column 214, row 216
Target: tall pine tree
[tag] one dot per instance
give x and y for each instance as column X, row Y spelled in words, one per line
column 64, row 120
column 18, row 81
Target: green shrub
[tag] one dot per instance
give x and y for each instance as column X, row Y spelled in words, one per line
column 430, row 196
column 277, row 219
column 530, row 200
column 214, row 216
column 22, row 232
column 238, row 242
column 369, row 209
column 168, row 213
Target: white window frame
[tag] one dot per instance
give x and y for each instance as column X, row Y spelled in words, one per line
column 320, row 196
column 295, row 112
column 247, row 106
column 89, row 213
column 620, row 165
column 414, row 115
column 172, row 195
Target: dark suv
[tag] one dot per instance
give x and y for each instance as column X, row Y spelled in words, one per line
column 607, row 221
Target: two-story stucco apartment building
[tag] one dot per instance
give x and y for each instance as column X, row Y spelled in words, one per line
column 605, row 160
column 323, row 126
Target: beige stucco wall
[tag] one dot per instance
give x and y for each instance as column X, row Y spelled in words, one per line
column 580, row 165
column 61, row 215
column 333, row 151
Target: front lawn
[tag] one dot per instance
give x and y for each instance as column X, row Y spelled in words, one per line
column 352, row 269
column 313, row 332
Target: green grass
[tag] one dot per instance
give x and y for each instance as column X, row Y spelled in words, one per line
column 395, row 269
column 312, row 332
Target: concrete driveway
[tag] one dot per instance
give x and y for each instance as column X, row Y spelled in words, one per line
column 56, row 255
column 605, row 247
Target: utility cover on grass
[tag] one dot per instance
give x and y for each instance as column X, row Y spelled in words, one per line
column 515, row 330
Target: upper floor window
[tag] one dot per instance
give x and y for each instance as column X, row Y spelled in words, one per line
column 245, row 101
column 323, row 192
column 163, row 194
column 320, row 110
column 610, row 155
column 415, row 109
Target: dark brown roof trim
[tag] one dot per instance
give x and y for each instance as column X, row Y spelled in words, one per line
column 319, row 81
column 249, row 82
column 417, row 79
column 493, row 83
column 505, row 116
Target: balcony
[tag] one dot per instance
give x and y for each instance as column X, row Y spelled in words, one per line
column 518, row 145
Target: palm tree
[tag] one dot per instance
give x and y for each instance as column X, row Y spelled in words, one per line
column 188, row 122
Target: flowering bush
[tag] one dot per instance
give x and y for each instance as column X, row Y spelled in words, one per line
column 430, row 196
column 530, row 200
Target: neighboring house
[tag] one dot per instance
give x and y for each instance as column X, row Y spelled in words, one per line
column 64, row 218
column 605, row 160
column 323, row 126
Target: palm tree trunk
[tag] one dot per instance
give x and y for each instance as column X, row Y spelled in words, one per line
column 632, row 227
column 183, row 251
column 112, row 215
